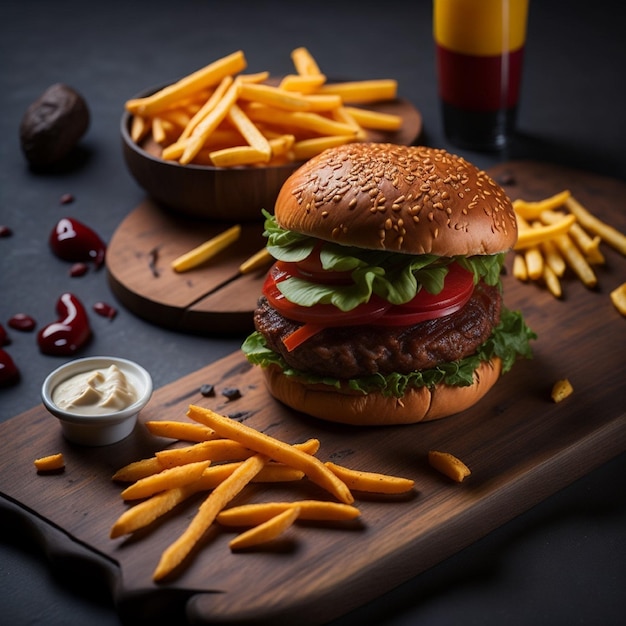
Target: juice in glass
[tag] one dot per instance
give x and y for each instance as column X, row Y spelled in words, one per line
column 479, row 51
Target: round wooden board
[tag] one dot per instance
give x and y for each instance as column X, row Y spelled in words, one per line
column 210, row 299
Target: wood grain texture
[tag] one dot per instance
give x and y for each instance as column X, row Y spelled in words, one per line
column 520, row 446
column 209, row 299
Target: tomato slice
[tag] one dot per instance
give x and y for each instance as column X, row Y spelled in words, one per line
column 311, row 269
column 457, row 290
column 318, row 314
column 301, row 334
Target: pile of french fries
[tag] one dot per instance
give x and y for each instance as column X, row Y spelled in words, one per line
column 222, row 458
column 558, row 233
column 219, row 116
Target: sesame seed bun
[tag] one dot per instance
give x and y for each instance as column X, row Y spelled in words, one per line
column 407, row 199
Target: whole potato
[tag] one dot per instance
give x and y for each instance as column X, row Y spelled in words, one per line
column 53, row 125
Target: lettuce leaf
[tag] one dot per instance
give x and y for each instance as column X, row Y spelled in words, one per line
column 391, row 276
column 509, row 341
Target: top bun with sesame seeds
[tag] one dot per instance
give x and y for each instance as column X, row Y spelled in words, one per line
column 408, row 199
column 385, row 304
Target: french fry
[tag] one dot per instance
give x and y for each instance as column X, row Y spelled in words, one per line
column 50, row 463
column 259, row 77
column 239, row 155
column 532, row 210
column 169, row 478
column 267, row 531
column 304, row 62
column 258, row 260
column 315, row 510
column 449, row 465
column 306, row 148
column 323, row 103
column 553, row 258
column 528, row 237
column 520, row 271
column 274, row 449
column 277, row 473
column 303, row 120
column 275, row 97
column 364, row 91
column 341, row 114
column 250, row 132
column 139, row 128
column 174, row 555
column 611, row 235
column 205, row 77
column 213, row 450
column 576, row 260
column 271, row 473
column 302, row 83
column 207, row 250
column 552, row 281
column 375, row 119
column 158, row 131
column 589, row 246
column 137, row 470
column 370, row 481
column 618, row 298
column 217, row 450
column 184, row 431
column 561, row 390
column 534, row 262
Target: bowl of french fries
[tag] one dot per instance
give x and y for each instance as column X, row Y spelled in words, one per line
column 219, row 143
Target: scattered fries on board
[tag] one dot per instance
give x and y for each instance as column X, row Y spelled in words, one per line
column 50, row 463
column 224, row 457
column 557, row 234
column 561, row 389
column 449, row 465
column 222, row 117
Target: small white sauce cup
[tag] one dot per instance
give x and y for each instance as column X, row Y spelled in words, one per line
column 98, row 430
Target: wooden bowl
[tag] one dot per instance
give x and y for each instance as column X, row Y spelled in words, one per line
column 230, row 194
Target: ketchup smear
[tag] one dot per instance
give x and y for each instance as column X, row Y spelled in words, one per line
column 9, row 374
column 4, row 338
column 69, row 333
column 72, row 240
column 22, row 321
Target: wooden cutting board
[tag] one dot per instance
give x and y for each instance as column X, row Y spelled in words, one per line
column 520, row 446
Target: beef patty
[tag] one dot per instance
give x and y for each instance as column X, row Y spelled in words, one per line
column 352, row 351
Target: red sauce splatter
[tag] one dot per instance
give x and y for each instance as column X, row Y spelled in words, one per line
column 70, row 332
column 72, row 240
column 22, row 321
column 9, row 374
column 78, row 269
column 104, row 309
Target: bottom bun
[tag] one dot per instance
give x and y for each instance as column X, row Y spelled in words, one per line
column 375, row 409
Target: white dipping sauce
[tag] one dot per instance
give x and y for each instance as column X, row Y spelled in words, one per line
column 95, row 392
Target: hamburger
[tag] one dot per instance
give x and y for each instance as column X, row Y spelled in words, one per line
column 384, row 304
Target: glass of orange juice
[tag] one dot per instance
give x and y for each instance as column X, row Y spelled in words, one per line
column 479, row 51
